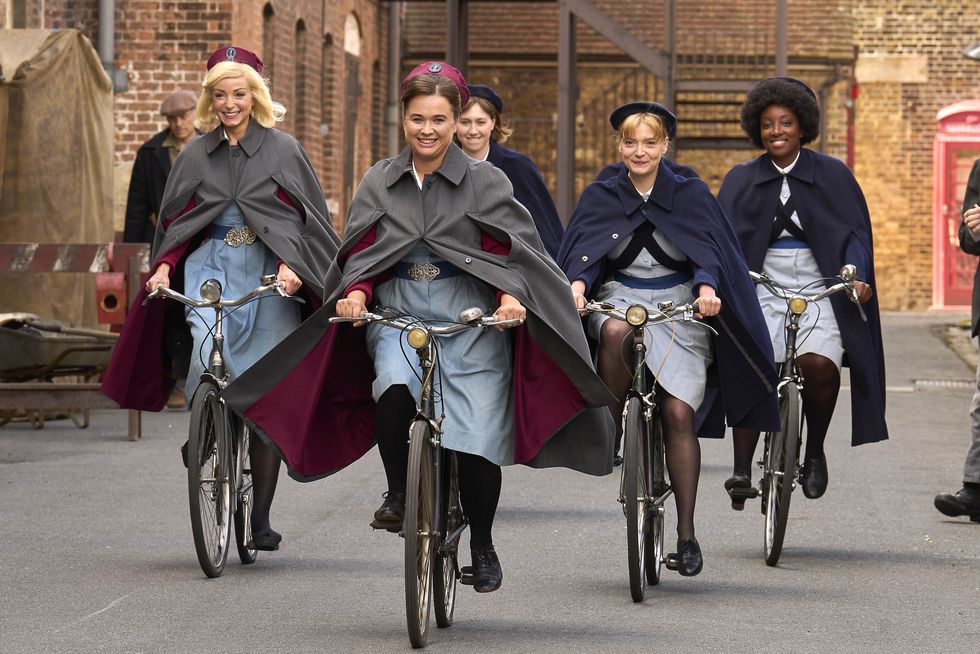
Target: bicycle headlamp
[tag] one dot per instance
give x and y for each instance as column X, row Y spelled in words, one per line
column 211, row 290
column 797, row 305
column 637, row 315
column 418, row 338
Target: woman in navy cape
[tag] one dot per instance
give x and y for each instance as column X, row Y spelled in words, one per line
column 800, row 215
column 481, row 134
column 649, row 235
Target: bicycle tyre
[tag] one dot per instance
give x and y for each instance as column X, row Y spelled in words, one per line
column 418, row 527
column 635, row 495
column 782, row 455
column 208, row 484
column 446, row 573
column 655, row 516
column 244, row 496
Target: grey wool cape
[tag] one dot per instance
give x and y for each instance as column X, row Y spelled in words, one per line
column 280, row 198
column 310, row 397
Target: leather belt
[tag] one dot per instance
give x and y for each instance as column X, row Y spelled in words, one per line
column 233, row 235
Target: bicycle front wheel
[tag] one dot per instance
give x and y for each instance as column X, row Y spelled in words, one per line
column 243, row 496
column 779, row 476
column 419, row 529
column 208, row 480
column 447, row 548
column 654, row 556
column 636, row 494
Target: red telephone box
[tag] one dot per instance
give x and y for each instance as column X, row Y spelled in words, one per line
column 956, row 147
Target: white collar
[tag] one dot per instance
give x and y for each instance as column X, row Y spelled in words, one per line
column 785, row 171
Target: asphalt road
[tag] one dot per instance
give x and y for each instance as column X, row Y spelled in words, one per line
column 98, row 557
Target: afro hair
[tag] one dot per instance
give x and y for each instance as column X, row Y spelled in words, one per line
column 785, row 92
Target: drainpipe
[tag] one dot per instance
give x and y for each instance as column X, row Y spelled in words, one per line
column 107, row 45
column 822, row 93
column 394, row 76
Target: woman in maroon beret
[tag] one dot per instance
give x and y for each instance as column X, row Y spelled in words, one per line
column 242, row 178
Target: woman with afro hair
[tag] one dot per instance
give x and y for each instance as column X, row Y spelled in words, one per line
column 799, row 215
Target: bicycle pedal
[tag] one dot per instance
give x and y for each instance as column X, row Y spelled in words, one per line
column 672, row 561
column 743, row 493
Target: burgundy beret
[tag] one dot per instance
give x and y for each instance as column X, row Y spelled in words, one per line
column 442, row 69
column 236, row 54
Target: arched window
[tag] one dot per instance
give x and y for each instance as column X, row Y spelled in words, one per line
column 300, row 111
column 352, row 95
column 328, row 78
column 269, row 42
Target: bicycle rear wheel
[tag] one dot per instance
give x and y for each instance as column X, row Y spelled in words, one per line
column 446, row 573
column 636, row 493
column 782, row 454
column 419, row 527
column 208, row 480
column 243, row 495
column 655, row 515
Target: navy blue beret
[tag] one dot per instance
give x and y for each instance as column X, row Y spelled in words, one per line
column 617, row 117
column 488, row 94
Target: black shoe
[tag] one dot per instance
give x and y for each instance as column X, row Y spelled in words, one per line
column 965, row 501
column 266, row 539
column 391, row 512
column 485, row 575
column 739, row 487
column 183, row 453
column 689, row 561
column 813, row 478
column 617, row 460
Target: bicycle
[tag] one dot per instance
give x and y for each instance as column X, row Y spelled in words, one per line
column 781, row 456
column 218, row 470
column 644, row 486
column 432, row 490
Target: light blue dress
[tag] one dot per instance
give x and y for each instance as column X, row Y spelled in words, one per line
column 250, row 330
column 475, row 384
column 796, row 268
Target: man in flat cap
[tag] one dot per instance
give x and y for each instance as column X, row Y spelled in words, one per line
column 153, row 162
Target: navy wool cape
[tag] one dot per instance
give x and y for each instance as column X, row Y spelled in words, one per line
column 686, row 212
column 835, row 218
column 531, row 191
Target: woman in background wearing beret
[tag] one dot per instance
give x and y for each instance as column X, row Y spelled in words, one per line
column 481, row 134
column 244, row 178
column 434, row 207
column 647, row 236
column 800, row 216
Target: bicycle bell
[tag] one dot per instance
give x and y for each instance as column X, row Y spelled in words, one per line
column 211, row 290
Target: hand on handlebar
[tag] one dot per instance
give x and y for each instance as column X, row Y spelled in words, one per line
column 289, row 280
column 352, row 306
column 862, row 291
column 510, row 309
column 708, row 303
column 160, row 278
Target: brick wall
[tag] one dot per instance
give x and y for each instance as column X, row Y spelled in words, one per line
column 163, row 45
column 912, row 67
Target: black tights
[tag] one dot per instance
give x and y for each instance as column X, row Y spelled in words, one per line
column 479, row 479
column 682, row 448
column 821, row 385
column 264, row 462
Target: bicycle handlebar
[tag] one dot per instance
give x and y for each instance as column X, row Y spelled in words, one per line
column 163, row 291
column 476, row 319
column 847, row 277
column 665, row 312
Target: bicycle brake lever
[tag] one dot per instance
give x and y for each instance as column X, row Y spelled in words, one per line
column 857, row 301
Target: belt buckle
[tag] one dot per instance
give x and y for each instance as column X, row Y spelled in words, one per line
column 425, row 270
column 243, row 235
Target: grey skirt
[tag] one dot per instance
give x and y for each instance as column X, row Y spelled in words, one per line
column 678, row 353
column 819, row 333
